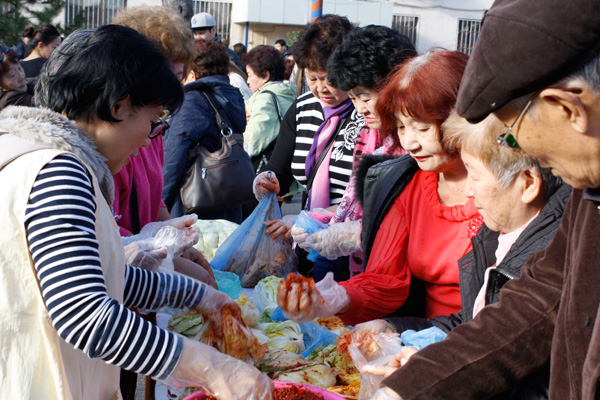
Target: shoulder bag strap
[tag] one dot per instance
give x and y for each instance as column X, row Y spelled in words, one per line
column 277, row 106
column 225, row 129
column 313, row 172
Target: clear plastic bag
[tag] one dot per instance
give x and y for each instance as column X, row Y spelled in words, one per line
column 251, row 254
column 380, row 351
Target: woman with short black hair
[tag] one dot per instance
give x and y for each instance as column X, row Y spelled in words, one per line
column 65, row 328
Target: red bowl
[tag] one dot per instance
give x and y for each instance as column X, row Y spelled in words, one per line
column 327, row 395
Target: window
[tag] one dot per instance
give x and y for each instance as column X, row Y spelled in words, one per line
column 91, row 13
column 468, row 30
column 406, row 25
column 221, row 11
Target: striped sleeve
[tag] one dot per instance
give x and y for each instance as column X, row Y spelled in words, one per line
column 60, row 225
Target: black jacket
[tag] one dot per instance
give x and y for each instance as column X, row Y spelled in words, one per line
column 379, row 181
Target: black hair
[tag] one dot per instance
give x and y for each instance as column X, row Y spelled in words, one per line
column 265, row 58
column 45, row 34
column 92, row 70
column 281, row 42
column 319, row 39
column 9, row 58
column 366, row 56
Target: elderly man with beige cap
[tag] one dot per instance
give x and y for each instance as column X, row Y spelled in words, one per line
column 536, row 66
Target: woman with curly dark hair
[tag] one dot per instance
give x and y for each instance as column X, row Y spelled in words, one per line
column 365, row 58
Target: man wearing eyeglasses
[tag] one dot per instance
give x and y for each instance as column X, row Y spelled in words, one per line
column 536, row 66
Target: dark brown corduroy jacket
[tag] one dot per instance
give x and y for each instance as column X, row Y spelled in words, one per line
column 552, row 309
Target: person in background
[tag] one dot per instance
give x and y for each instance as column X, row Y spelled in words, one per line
column 204, row 27
column 241, row 51
column 14, row 89
column 139, row 184
column 363, row 61
column 270, row 101
column 66, row 329
column 21, row 48
column 195, row 123
column 44, row 40
column 281, row 46
column 417, row 220
column 546, row 93
column 316, row 142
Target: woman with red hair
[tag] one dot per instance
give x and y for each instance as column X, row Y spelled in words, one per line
column 417, row 221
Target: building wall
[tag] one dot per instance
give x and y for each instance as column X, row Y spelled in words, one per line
column 256, row 22
column 439, row 20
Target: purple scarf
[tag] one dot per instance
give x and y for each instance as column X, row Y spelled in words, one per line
column 318, row 195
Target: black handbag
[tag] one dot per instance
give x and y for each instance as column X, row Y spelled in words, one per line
column 219, row 180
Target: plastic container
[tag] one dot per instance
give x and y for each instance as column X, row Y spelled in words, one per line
column 327, row 395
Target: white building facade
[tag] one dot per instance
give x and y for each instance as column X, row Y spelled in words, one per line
column 451, row 24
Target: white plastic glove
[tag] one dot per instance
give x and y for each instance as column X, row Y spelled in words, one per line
column 263, row 183
column 224, row 327
column 299, row 235
column 386, row 393
column 302, row 300
column 150, row 230
column 141, row 255
column 278, row 227
column 341, row 239
column 362, row 334
column 218, row 374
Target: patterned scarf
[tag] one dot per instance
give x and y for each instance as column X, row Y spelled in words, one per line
column 318, row 195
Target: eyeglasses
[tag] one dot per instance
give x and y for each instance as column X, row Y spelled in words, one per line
column 4, row 50
column 156, row 128
column 507, row 139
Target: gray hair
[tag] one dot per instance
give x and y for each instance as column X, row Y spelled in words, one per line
column 480, row 141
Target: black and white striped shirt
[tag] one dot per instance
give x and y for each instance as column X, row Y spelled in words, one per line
column 60, row 225
column 296, row 137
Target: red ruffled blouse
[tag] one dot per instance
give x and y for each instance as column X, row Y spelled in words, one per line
column 418, row 237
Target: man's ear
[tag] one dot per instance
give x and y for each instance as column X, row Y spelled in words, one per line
column 532, row 182
column 214, row 30
column 122, row 107
column 569, row 106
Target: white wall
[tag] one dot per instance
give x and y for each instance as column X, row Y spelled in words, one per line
column 438, row 20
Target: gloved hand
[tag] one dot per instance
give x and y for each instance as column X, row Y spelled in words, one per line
column 196, row 256
column 362, row 333
column 386, row 393
column 218, row 374
column 299, row 235
column 150, row 230
column 141, row 255
column 224, row 327
column 278, row 227
column 265, row 182
column 341, row 239
column 302, row 300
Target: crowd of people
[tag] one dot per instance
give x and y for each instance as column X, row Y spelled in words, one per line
column 458, row 192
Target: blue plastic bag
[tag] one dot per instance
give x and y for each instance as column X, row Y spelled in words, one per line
column 251, row 254
column 229, row 283
column 310, row 225
column 316, row 337
column 422, row 338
